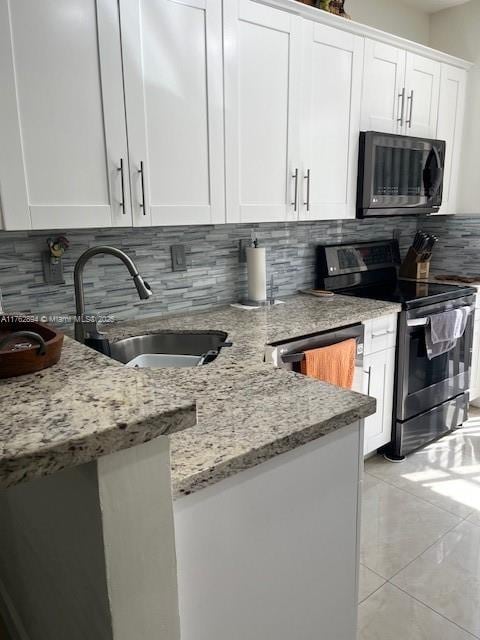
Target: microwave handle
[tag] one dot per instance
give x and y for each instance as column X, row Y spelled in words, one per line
column 437, row 183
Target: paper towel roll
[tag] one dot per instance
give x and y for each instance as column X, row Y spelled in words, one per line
column 257, row 274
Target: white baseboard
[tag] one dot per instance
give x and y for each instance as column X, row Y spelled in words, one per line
column 10, row 617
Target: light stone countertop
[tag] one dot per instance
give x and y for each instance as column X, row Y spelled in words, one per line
column 82, row 408
column 249, row 411
column 87, row 405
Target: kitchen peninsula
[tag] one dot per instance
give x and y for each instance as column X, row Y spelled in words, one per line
column 255, row 454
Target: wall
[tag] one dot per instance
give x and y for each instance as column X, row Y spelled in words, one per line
column 392, row 16
column 214, row 274
column 457, row 31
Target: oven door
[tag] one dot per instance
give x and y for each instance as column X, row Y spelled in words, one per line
column 399, row 174
column 422, row 383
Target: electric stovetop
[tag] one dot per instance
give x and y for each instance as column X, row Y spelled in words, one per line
column 409, row 293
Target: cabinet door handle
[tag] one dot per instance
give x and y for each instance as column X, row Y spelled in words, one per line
column 409, row 121
column 295, row 198
column 379, row 334
column 401, row 98
column 369, row 373
column 142, row 180
column 307, row 178
column 122, row 178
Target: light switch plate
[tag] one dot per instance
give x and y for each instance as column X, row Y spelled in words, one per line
column 179, row 258
column 52, row 269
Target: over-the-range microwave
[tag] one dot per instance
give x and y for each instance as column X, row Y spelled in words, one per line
column 399, row 175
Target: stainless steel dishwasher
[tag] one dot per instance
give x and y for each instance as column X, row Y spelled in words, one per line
column 288, row 354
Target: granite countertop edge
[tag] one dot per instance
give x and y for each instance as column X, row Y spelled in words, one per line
column 255, row 457
column 83, row 450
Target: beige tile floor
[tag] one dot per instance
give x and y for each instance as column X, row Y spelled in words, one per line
column 420, row 552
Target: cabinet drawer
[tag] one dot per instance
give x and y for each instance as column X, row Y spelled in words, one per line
column 380, row 333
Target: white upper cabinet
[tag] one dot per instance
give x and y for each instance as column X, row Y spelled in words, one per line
column 62, row 123
column 331, row 85
column 450, row 128
column 422, row 83
column 182, row 112
column 400, row 91
column 383, row 102
column 172, row 51
column 262, row 65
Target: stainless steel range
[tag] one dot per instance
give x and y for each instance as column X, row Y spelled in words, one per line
column 431, row 396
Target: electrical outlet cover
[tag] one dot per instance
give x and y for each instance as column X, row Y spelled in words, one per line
column 179, row 258
column 52, row 269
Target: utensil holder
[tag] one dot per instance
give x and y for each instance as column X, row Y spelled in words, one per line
column 416, row 265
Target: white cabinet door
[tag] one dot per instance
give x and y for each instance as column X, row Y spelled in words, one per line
column 422, row 83
column 172, row 52
column 450, row 128
column 331, row 85
column 62, row 122
column 262, row 66
column 384, row 100
column 380, row 374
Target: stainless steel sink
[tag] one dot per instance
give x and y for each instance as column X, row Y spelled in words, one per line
column 205, row 345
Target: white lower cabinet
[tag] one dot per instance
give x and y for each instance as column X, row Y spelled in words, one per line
column 380, row 372
column 379, row 380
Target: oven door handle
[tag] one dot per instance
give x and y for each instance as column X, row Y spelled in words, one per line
column 422, row 322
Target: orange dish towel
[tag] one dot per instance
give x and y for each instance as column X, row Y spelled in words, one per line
column 334, row 364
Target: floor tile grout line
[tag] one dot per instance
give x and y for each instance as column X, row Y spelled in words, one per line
column 431, row 609
column 373, row 571
column 371, row 594
column 425, row 550
column 390, row 484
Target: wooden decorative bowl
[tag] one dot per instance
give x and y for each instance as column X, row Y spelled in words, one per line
column 26, row 347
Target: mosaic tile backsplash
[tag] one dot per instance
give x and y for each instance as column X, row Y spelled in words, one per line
column 214, row 275
column 458, row 249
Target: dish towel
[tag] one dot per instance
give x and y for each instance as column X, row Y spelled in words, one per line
column 444, row 329
column 334, row 364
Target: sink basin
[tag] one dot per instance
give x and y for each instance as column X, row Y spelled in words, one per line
column 170, row 348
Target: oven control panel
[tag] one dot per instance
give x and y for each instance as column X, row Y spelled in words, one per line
column 344, row 259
